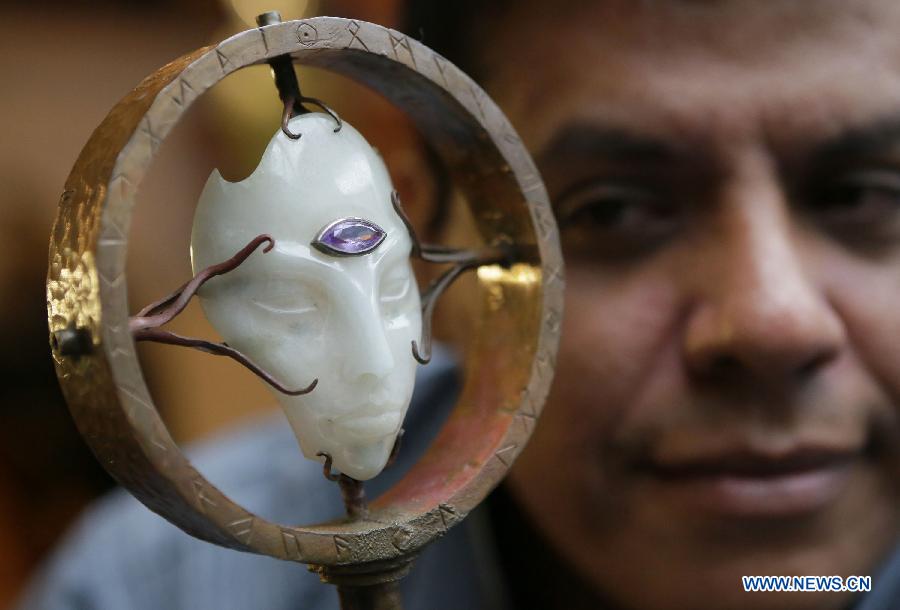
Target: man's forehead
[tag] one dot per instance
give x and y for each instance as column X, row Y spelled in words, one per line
column 684, row 70
column 726, row 25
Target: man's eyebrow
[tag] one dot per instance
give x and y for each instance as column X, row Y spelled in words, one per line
column 871, row 138
column 593, row 141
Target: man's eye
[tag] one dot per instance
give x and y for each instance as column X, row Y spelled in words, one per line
column 614, row 219
column 865, row 200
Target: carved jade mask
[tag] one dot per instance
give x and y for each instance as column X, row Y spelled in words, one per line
column 334, row 300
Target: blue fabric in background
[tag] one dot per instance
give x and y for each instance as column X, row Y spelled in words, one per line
column 121, row 556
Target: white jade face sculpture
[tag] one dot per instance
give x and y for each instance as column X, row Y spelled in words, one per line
column 302, row 312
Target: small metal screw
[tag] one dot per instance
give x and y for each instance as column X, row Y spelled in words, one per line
column 71, row 341
column 268, row 18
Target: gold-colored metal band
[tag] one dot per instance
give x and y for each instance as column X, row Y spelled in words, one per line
column 511, row 360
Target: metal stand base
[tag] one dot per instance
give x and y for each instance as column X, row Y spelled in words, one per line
column 383, row 596
column 370, row 586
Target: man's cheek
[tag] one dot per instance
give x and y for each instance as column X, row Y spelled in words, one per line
column 613, row 336
column 866, row 296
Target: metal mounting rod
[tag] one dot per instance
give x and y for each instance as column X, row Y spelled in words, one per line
column 288, row 86
column 367, row 589
column 283, row 69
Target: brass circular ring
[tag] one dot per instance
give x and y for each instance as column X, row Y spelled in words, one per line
column 509, row 366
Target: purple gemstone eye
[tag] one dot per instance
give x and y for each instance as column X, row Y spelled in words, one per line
column 349, row 237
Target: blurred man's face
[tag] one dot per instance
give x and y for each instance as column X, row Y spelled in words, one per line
column 727, row 180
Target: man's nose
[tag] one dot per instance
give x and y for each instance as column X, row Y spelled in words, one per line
column 758, row 311
column 367, row 350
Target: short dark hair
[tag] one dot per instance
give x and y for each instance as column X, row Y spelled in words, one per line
column 451, row 27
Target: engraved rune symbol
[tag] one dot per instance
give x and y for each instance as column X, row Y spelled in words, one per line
column 242, row 529
column 402, row 538
column 448, row 515
column 155, row 140
column 291, row 545
column 342, row 546
column 186, row 91
column 505, row 455
column 441, row 64
column 354, row 28
column 553, row 320
column 307, row 34
column 477, row 94
column 526, row 421
column 224, row 62
column 402, row 42
column 200, row 493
